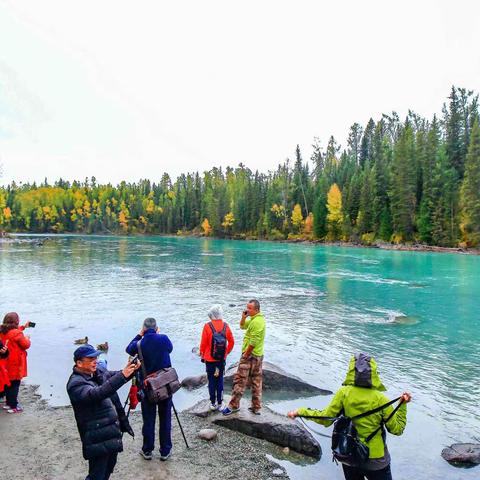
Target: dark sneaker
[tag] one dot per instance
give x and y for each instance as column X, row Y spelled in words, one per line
column 146, row 455
column 252, row 410
column 166, row 457
column 228, row 411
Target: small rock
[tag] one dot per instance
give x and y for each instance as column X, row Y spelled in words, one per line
column 231, row 305
column 286, row 450
column 196, row 350
column 207, row 434
column 278, row 472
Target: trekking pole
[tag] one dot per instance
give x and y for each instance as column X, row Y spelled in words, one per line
column 180, row 425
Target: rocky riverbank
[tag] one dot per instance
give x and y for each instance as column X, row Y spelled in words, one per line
column 42, row 443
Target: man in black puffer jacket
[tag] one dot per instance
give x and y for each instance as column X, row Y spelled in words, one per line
column 98, row 410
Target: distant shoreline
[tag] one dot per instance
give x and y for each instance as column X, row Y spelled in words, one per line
column 415, row 247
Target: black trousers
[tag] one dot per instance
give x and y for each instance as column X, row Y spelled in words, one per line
column 101, row 468
column 11, row 393
column 354, row 473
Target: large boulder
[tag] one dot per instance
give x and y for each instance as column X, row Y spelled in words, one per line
column 191, row 383
column 462, row 454
column 277, row 379
column 270, row 426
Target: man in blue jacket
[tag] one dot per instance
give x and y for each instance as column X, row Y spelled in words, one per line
column 99, row 414
column 156, row 349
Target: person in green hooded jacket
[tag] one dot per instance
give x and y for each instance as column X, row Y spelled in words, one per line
column 361, row 392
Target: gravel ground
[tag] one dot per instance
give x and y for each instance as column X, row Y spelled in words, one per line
column 42, row 443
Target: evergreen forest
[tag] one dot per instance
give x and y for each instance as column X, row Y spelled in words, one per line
column 398, row 180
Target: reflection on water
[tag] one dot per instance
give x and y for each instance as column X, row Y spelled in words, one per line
column 321, row 304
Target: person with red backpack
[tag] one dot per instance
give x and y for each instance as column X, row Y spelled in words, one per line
column 216, row 343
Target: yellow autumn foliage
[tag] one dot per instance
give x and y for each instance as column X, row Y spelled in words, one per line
column 207, row 229
column 297, row 217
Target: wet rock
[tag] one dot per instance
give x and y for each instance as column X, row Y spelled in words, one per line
column 191, row 383
column 403, row 320
column 462, row 454
column 207, row 434
column 269, row 426
column 275, row 378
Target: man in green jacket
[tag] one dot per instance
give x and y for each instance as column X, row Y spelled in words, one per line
column 250, row 365
column 361, row 392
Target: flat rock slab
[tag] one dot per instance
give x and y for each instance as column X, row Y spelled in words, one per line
column 462, row 454
column 268, row 426
column 191, row 383
column 275, row 378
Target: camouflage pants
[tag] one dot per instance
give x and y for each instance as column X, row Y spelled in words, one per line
column 249, row 372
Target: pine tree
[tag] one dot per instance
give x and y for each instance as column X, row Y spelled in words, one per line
column 365, row 219
column 428, row 161
column 317, row 158
column 454, row 134
column 403, row 186
column 299, row 183
column 366, row 148
column 445, row 200
column 320, row 209
column 354, row 142
column 470, row 191
column 381, row 202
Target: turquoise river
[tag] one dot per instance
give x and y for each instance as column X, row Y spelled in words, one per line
column 417, row 313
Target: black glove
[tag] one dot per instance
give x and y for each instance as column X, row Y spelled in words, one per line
column 126, row 428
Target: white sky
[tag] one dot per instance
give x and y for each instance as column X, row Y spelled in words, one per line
column 127, row 90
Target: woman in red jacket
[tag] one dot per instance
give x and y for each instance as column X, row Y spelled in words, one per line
column 11, row 334
column 4, row 380
column 217, row 342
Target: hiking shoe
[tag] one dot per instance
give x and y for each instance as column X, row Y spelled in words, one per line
column 6, row 407
column 166, row 457
column 213, row 407
column 252, row 410
column 15, row 410
column 221, row 407
column 228, row 411
column 146, row 455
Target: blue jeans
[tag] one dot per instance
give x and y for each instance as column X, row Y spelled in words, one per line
column 215, row 384
column 149, row 414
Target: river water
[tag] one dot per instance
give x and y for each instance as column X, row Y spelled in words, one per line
column 417, row 313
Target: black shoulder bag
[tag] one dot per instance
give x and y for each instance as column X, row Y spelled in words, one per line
column 346, row 446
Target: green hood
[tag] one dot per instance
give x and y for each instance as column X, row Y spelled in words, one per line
column 362, row 372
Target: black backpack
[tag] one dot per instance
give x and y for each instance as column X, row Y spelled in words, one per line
column 219, row 342
column 346, row 446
